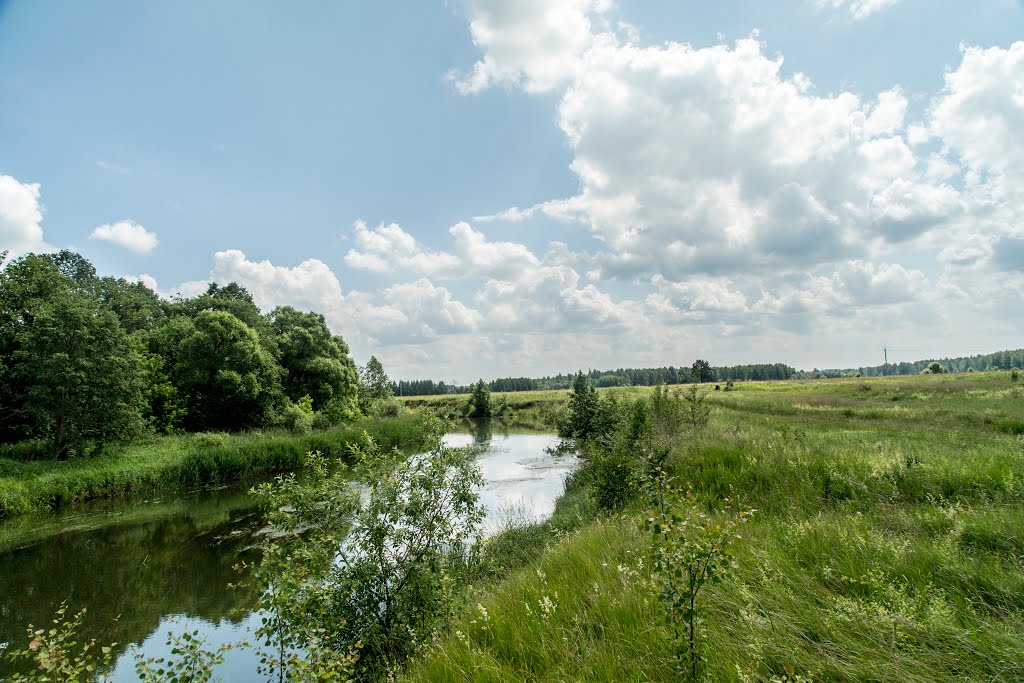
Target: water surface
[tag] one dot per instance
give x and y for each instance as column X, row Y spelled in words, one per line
column 135, row 564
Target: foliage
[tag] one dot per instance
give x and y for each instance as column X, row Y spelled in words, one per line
column 59, row 656
column 388, row 407
column 190, row 661
column 374, row 384
column 582, row 410
column 701, row 371
column 137, row 307
column 166, row 407
column 697, row 408
column 296, row 419
column 935, row 368
column 228, row 379
column 316, row 363
column 615, row 467
column 689, row 550
column 81, row 376
column 402, row 553
column 480, row 401
column 179, row 462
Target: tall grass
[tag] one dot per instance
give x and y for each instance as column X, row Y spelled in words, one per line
column 889, row 545
column 183, row 461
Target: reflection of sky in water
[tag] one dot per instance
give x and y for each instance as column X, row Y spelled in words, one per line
column 523, row 481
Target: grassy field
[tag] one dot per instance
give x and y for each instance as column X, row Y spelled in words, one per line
column 888, row 546
column 184, row 461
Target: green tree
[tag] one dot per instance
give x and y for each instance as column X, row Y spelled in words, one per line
column 25, row 284
column 234, row 299
column 228, row 379
column 374, row 384
column 480, row 400
column 137, row 306
column 317, row 363
column 936, row 368
column 582, row 410
column 374, row 577
column 701, row 371
column 82, row 376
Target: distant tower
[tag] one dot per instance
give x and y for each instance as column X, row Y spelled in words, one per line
column 885, row 370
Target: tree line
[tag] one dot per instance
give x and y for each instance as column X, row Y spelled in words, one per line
column 85, row 360
column 622, row 377
column 1000, row 360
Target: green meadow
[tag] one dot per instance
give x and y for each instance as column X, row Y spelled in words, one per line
column 887, row 545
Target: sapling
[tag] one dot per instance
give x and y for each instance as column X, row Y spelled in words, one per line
column 689, row 550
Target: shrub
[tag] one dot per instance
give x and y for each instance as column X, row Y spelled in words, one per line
column 296, row 420
column 387, row 407
column 400, row 565
column 688, row 551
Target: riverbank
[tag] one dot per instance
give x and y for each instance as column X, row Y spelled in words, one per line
column 184, row 461
column 887, row 545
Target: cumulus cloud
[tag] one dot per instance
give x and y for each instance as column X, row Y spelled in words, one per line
column 21, row 215
column 533, row 43
column 390, row 249
column 699, row 161
column 127, row 234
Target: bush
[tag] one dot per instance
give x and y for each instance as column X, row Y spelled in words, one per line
column 209, row 439
column 386, row 407
column 296, row 420
column 374, row 576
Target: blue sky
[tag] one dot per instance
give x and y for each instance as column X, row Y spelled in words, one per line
column 493, row 188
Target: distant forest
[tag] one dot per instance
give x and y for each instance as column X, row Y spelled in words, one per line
column 645, row 377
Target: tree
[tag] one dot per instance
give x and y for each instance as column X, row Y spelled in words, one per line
column 374, row 384
column 936, row 368
column 480, row 400
column 374, row 576
column 701, row 371
column 67, row 370
column 583, row 407
column 137, row 306
column 317, row 363
column 234, row 299
column 82, row 375
column 228, row 379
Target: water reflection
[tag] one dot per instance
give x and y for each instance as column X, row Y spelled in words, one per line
column 134, row 564
column 131, row 566
column 523, row 481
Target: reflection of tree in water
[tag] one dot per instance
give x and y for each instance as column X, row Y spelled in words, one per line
column 482, row 432
column 137, row 573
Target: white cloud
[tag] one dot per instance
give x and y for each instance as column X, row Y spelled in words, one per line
column 390, row 249
column 533, row 43
column 433, row 308
column 858, row 9
column 980, row 113
column 127, row 234
column 21, row 215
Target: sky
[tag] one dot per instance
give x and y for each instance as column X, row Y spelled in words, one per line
column 490, row 188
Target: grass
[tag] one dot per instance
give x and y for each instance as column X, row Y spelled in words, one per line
column 888, row 545
column 181, row 462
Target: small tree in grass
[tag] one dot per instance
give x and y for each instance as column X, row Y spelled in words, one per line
column 583, row 409
column 689, row 550
column 480, row 400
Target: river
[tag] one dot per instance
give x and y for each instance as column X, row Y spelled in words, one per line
column 145, row 566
